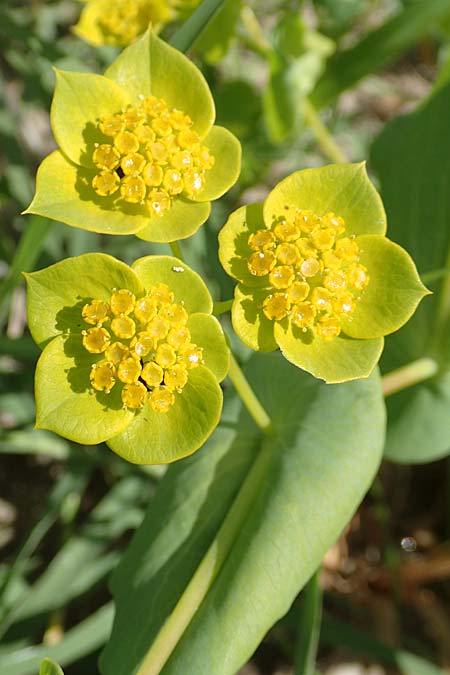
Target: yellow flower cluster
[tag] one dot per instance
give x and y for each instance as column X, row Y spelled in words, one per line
column 146, row 345
column 152, row 154
column 124, row 20
column 312, row 270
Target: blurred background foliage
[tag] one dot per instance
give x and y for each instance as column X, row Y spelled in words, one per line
column 67, row 512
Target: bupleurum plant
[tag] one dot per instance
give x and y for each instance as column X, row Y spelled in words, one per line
column 317, row 275
column 131, row 356
column 138, row 149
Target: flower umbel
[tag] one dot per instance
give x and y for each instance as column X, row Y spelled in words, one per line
column 150, row 156
column 119, row 22
column 131, row 356
column 138, row 150
column 318, row 278
column 312, row 270
column 146, row 347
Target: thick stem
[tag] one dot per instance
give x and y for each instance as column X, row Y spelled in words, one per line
column 326, row 141
column 176, row 250
column 249, row 398
column 409, row 375
column 199, row 585
column 309, row 628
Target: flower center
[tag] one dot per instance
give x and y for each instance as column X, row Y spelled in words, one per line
column 146, row 347
column 312, row 270
column 150, row 155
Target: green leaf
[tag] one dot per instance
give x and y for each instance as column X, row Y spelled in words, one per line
column 393, row 292
column 215, row 40
column 80, row 100
column 294, row 72
column 337, row 360
column 233, row 238
column 187, row 286
column 65, row 402
column 249, row 321
column 259, row 519
column 160, row 438
column 344, row 189
column 57, row 294
column 151, row 66
column 49, row 667
column 185, row 37
column 182, row 220
column 86, row 557
column 64, row 192
column 82, row 639
column 207, row 332
column 378, row 49
column 226, row 149
column 411, row 159
column 27, row 252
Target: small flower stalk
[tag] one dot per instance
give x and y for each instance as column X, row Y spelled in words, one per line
column 133, row 359
column 139, row 153
column 317, row 277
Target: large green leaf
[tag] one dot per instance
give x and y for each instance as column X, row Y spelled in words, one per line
column 263, row 512
column 411, row 157
column 379, row 48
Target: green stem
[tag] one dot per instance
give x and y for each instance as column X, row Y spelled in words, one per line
column 199, row 585
column 326, row 141
column 409, row 375
column 249, row 397
column 222, row 307
column 176, row 250
column 309, row 628
column 185, row 37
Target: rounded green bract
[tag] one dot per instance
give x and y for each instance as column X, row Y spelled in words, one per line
column 131, row 355
column 317, row 276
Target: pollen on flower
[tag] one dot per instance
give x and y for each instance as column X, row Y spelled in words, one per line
column 149, row 154
column 312, row 271
column 146, row 346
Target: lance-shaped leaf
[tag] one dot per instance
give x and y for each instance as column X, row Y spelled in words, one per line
column 236, row 531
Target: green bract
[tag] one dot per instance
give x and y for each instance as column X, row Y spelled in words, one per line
column 318, row 278
column 131, row 355
column 138, row 150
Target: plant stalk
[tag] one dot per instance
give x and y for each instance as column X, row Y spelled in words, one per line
column 248, row 397
column 309, row 628
column 176, row 250
column 409, row 375
column 325, row 140
column 185, row 37
column 222, row 307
